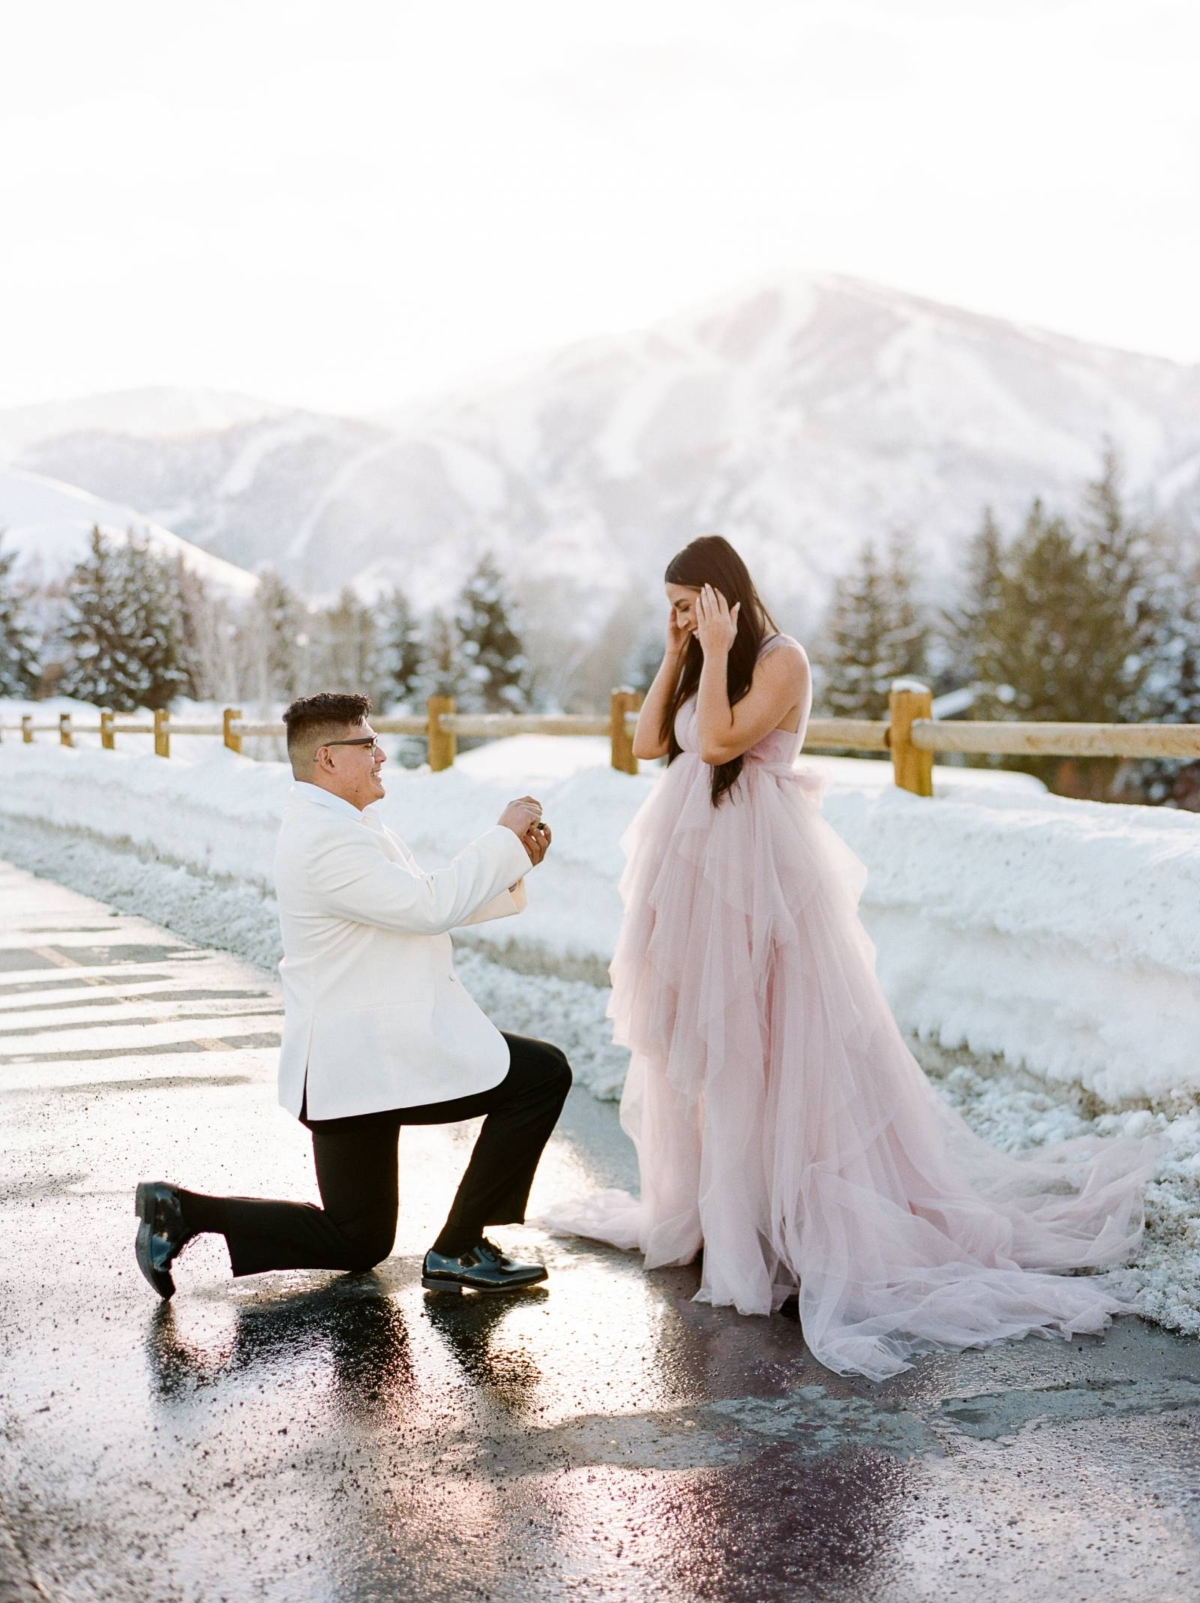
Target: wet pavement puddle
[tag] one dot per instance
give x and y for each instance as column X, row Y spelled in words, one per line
column 316, row 1436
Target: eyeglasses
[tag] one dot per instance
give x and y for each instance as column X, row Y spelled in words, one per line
column 365, row 740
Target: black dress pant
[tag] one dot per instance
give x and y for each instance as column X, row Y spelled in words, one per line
column 357, row 1172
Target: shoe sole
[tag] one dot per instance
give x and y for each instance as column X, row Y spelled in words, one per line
column 456, row 1288
column 159, row 1279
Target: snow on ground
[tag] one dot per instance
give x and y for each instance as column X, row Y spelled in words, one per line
column 1015, row 1112
column 1043, row 955
column 1060, row 937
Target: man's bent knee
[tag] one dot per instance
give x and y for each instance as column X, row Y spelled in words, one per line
column 369, row 1247
column 539, row 1069
column 559, row 1069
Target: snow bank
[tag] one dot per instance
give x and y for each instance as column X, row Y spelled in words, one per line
column 1059, row 937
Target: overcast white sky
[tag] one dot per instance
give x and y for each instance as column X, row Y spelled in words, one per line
column 346, row 204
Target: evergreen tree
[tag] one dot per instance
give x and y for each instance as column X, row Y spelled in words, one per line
column 441, row 665
column 207, row 638
column 157, row 608
column 906, row 642
column 645, row 662
column 1124, row 618
column 967, row 630
column 495, row 675
column 1170, row 690
column 855, row 631
column 18, row 660
column 876, row 632
column 401, row 647
column 283, row 618
column 1076, row 633
column 1033, row 650
column 1040, row 653
column 349, row 652
column 123, row 627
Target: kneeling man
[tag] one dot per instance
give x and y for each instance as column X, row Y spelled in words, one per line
column 378, row 1032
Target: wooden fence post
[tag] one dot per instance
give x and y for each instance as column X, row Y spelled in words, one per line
column 27, row 729
column 623, row 700
column 162, row 732
column 443, row 743
column 232, row 739
column 65, row 737
column 911, row 767
column 108, row 741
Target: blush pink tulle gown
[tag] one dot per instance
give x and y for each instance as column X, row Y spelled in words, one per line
column 781, row 1122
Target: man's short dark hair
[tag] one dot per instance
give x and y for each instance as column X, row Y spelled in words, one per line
column 311, row 720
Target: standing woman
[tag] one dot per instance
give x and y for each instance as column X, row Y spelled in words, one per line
column 780, row 1121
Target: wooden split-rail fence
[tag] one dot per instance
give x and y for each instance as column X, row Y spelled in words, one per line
column 910, row 733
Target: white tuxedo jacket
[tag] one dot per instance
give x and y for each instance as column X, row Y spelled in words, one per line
column 374, row 1016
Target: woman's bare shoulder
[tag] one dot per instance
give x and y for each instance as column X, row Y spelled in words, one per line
column 786, row 655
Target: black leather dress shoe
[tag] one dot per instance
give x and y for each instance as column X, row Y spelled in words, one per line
column 160, row 1234
column 482, row 1267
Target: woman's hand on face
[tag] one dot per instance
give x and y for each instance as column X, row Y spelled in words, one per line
column 716, row 625
column 678, row 634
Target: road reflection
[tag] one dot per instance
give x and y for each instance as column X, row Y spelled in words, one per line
column 357, row 1338
column 429, row 1439
column 486, row 1337
column 772, row 1526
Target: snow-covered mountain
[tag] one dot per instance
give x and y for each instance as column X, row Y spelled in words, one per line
column 799, row 418
column 153, row 412
column 48, row 525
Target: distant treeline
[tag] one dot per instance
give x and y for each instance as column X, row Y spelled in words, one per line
column 1093, row 618
column 131, row 628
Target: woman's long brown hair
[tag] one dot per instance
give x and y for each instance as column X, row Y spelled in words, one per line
column 712, row 560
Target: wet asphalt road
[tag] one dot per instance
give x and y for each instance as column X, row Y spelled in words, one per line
column 320, row 1436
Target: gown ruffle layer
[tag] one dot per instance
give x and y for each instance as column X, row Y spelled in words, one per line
column 781, row 1122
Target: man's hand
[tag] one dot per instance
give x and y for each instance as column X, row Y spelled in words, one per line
column 520, row 816
column 524, row 818
column 536, row 841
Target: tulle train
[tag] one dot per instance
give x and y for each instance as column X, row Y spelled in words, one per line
column 781, row 1121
